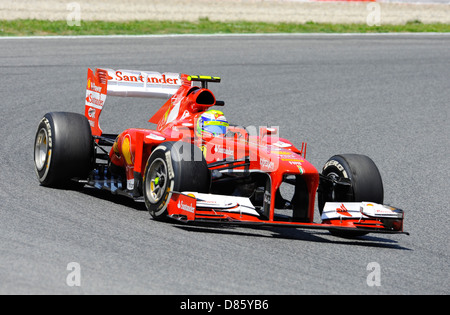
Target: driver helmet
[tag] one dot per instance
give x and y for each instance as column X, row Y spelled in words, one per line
column 212, row 122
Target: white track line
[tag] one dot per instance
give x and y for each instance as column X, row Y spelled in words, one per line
column 224, row 35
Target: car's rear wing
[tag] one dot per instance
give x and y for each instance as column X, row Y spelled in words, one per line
column 126, row 83
column 133, row 83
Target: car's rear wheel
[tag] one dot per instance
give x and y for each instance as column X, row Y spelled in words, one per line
column 63, row 148
column 173, row 167
column 364, row 177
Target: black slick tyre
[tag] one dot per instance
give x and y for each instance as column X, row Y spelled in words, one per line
column 63, row 148
column 365, row 179
column 173, row 167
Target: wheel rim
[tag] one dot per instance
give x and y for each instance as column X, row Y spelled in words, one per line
column 156, row 182
column 334, row 176
column 41, row 149
column 336, row 193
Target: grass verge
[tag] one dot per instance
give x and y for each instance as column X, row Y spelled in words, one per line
column 203, row 26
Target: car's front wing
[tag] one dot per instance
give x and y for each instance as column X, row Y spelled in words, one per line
column 364, row 217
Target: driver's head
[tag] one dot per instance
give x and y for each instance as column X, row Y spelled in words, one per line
column 212, row 122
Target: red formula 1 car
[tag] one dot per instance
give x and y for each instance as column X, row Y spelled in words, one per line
column 197, row 168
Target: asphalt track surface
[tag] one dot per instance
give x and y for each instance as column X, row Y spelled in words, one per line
column 383, row 96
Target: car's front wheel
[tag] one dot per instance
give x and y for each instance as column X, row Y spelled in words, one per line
column 364, row 178
column 173, row 167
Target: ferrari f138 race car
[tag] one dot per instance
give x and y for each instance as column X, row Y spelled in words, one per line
column 196, row 167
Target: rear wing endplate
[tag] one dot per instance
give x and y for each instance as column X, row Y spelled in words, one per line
column 126, row 83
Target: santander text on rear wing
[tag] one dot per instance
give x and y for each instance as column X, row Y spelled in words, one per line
column 126, row 83
column 142, row 83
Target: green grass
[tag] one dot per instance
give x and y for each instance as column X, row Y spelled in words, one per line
column 202, row 26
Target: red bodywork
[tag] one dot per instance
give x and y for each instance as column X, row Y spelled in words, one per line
column 259, row 152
